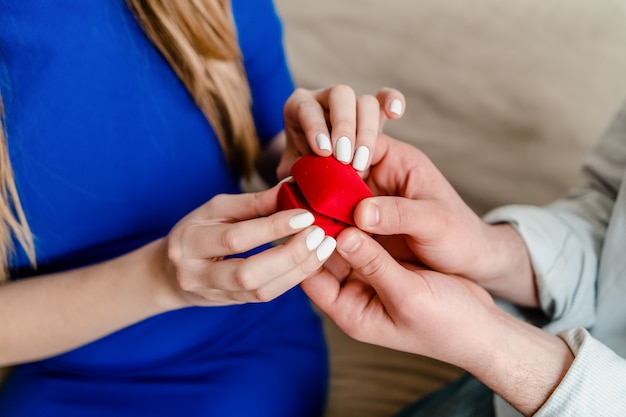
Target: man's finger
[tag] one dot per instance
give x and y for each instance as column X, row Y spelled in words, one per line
column 386, row 215
column 370, row 261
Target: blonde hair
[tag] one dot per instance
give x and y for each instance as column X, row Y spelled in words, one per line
column 12, row 219
column 198, row 38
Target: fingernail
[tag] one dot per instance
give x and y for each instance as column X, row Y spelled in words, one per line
column 302, row 220
column 396, row 107
column 361, row 158
column 344, row 149
column 286, row 179
column 323, row 142
column 371, row 217
column 314, row 238
column 351, row 243
column 326, row 248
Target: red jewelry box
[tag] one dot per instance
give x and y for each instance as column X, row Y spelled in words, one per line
column 327, row 188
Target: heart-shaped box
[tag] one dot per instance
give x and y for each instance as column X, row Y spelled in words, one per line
column 327, row 188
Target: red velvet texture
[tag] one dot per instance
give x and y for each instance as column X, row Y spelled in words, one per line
column 327, row 188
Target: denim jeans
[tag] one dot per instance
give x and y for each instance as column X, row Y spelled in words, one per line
column 466, row 397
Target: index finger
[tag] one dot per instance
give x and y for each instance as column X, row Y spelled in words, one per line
column 238, row 207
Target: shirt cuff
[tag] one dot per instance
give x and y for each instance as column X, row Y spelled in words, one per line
column 594, row 385
column 561, row 262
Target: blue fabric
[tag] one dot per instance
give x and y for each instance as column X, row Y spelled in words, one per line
column 109, row 152
column 108, row 147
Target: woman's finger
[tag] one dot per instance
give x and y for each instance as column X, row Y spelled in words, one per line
column 306, row 114
column 266, row 275
column 342, row 114
column 209, row 238
column 227, row 208
column 392, row 104
column 368, row 116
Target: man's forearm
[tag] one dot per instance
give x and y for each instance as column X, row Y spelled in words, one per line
column 521, row 363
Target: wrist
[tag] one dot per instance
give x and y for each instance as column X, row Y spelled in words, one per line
column 508, row 273
column 521, row 363
column 159, row 276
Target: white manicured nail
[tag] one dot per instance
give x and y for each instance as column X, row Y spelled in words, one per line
column 326, row 248
column 361, row 158
column 302, row 220
column 396, row 107
column 286, row 179
column 323, row 142
column 314, row 238
column 344, row 149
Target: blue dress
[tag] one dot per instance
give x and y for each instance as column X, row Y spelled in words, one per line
column 109, row 152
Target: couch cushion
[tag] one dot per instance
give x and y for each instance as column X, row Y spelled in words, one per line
column 506, row 97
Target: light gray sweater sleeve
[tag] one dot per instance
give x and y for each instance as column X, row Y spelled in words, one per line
column 576, row 246
column 564, row 253
column 595, row 384
column 565, row 239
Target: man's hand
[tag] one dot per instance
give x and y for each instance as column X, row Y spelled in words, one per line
column 400, row 306
column 419, row 217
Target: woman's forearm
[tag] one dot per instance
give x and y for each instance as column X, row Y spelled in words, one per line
column 48, row 315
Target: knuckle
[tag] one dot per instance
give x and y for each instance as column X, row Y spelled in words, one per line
column 299, row 255
column 374, row 266
column 307, row 268
column 303, row 107
column 402, row 216
column 174, row 252
column 368, row 131
column 257, row 203
column 300, row 92
column 231, row 241
column 310, row 262
column 244, row 279
column 186, row 280
column 262, row 295
column 217, row 200
column 341, row 90
column 175, row 246
column 276, row 227
column 368, row 100
column 343, row 123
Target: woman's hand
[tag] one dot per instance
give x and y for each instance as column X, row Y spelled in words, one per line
column 335, row 121
column 201, row 249
column 45, row 316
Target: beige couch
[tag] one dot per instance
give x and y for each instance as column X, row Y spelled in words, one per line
column 506, row 97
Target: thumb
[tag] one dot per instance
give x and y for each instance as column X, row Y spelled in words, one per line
column 370, row 261
column 390, row 215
